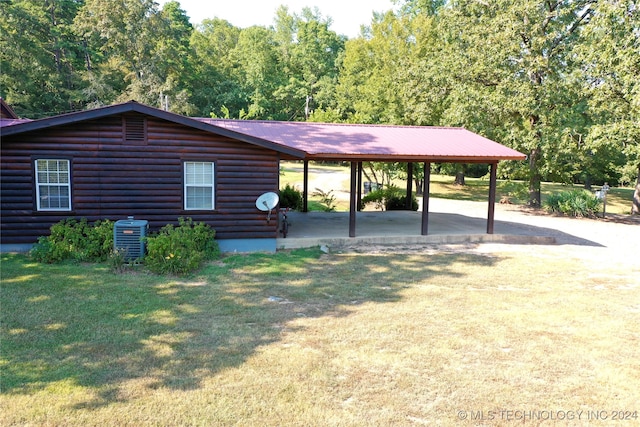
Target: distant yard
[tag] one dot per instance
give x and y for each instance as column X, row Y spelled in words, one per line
column 442, row 186
column 305, row 338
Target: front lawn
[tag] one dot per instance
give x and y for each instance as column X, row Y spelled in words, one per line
column 305, row 338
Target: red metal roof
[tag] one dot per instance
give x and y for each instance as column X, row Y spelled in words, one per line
column 343, row 141
column 316, row 140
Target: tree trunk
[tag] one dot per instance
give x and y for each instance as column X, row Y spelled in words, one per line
column 57, row 51
column 419, row 186
column 408, row 204
column 460, row 173
column 87, row 56
column 635, row 208
column 535, row 198
column 370, row 173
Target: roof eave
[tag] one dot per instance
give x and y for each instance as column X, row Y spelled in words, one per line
column 7, row 108
column 411, row 158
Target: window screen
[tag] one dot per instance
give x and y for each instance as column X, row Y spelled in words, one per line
column 53, row 185
column 198, row 186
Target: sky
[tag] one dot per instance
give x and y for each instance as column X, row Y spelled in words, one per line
column 347, row 15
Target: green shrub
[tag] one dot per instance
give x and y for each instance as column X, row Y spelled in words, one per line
column 117, row 260
column 180, row 250
column 290, row 198
column 100, row 241
column 396, row 203
column 377, row 197
column 327, row 199
column 578, row 203
column 46, row 251
column 75, row 240
column 392, row 198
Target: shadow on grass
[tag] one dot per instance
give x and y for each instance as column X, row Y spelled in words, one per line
column 81, row 326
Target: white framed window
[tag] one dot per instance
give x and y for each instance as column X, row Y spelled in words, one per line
column 199, row 186
column 53, row 185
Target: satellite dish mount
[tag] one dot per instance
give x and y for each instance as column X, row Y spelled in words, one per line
column 267, row 202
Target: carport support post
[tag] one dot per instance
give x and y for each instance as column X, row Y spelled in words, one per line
column 492, row 197
column 408, row 205
column 359, row 186
column 305, row 187
column 352, row 199
column 425, row 199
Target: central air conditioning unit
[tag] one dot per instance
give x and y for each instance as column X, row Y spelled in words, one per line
column 128, row 237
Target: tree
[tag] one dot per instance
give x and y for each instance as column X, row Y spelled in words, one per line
column 381, row 173
column 371, row 85
column 309, row 53
column 611, row 60
column 217, row 83
column 261, row 74
column 40, row 56
column 510, row 61
column 133, row 49
column 176, row 55
column 421, row 7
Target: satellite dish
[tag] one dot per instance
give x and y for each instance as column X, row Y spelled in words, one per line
column 267, row 201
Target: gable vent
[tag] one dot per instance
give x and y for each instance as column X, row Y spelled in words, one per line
column 135, row 128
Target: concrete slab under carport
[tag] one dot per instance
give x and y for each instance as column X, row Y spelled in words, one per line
column 450, row 222
column 403, row 228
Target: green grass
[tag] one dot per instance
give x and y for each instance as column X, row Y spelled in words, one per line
column 305, row 338
column 477, row 189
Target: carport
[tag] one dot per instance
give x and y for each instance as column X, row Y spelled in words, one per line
column 418, row 146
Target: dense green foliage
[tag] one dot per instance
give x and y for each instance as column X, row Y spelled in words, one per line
column 400, row 203
column 578, row 203
column 326, row 199
column 557, row 80
column 180, row 249
column 390, row 198
column 375, row 198
column 290, row 198
column 174, row 249
column 75, row 240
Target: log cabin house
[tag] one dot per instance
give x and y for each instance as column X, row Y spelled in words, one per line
column 134, row 160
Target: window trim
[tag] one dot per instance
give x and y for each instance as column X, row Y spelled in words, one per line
column 39, row 185
column 186, row 185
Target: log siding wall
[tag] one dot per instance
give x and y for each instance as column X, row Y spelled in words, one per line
column 113, row 178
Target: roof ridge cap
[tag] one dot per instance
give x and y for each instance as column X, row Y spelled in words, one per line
column 332, row 124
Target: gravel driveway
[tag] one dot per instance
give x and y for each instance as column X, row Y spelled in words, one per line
column 612, row 240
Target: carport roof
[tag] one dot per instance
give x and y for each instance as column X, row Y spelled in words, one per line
column 375, row 142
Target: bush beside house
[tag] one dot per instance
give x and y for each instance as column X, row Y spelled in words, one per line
column 176, row 250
